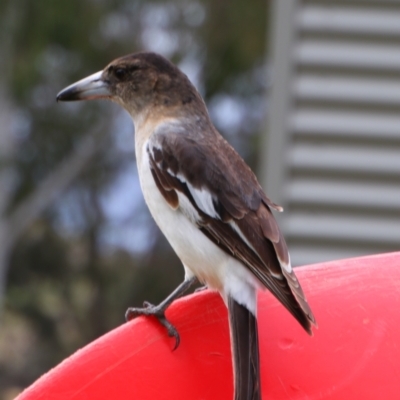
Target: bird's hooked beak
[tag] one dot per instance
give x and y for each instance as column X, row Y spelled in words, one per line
column 92, row 87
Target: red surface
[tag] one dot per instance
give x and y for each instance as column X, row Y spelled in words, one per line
column 355, row 353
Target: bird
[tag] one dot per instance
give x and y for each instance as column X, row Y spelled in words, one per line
column 205, row 199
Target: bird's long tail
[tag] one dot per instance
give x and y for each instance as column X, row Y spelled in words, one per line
column 246, row 360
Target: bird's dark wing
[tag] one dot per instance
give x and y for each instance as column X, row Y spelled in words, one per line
column 231, row 209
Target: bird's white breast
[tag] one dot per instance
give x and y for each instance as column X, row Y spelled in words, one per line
column 200, row 256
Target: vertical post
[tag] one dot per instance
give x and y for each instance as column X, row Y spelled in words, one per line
column 280, row 61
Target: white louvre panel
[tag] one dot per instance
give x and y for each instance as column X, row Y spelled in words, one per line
column 342, row 123
column 341, row 157
column 368, row 161
column 332, row 53
column 365, row 91
column 374, row 18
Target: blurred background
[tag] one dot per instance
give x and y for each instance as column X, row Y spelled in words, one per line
column 307, row 92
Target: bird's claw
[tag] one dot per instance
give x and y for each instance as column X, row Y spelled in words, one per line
column 172, row 331
column 159, row 313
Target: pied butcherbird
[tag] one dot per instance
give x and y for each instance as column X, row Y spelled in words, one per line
column 205, row 199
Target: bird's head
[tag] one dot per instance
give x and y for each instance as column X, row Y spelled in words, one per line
column 136, row 82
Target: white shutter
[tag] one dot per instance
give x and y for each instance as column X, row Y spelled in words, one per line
column 333, row 131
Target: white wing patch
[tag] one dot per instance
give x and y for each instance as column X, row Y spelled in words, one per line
column 287, row 267
column 187, row 208
column 204, row 200
column 202, row 197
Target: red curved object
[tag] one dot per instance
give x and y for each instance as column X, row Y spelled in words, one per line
column 355, row 353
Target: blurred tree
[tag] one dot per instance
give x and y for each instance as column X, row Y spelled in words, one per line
column 75, row 237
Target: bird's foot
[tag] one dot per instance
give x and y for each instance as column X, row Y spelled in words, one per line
column 158, row 312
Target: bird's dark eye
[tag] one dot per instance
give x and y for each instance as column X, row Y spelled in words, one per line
column 120, row 73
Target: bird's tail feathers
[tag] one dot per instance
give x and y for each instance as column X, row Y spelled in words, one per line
column 246, row 360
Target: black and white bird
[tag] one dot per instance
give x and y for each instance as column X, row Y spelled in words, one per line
column 205, row 199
